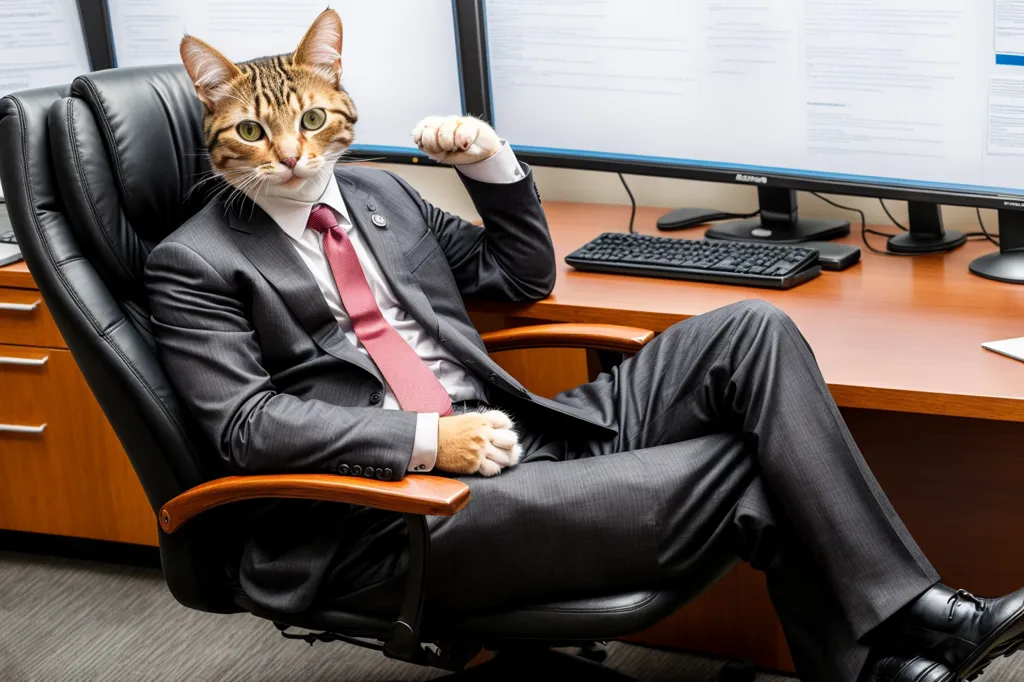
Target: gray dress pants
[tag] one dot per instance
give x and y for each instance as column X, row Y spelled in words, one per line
column 729, row 443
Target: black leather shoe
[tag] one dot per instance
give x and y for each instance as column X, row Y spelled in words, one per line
column 915, row 669
column 960, row 630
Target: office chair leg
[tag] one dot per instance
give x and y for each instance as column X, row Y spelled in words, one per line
column 595, row 651
column 739, row 671
column 516, row 666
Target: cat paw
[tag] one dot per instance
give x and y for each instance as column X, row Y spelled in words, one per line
column 477, row 443
column 503, row 448
column 457, row 140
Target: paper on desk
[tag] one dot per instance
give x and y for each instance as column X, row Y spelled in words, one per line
column 1011, row 348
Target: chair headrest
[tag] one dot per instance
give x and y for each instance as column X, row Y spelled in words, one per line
column 127, row 147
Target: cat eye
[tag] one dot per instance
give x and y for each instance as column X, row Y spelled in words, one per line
column 314, row 119
column 250, row 131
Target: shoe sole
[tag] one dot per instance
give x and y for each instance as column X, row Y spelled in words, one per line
column 1006, row 641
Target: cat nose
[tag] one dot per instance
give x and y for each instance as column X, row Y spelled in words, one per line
column 290, row 161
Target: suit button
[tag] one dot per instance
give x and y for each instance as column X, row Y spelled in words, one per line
column 375, row 398
column 387, row 474
column 370, row 206
column 492, row 377
column 369, row 472
column 357, row 470
column 343, row 469
column 382, row 475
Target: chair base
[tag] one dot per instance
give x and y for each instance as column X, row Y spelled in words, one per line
column 525, row 664
column 516, row 666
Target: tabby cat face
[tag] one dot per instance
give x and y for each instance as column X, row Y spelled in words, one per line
column 275, row 126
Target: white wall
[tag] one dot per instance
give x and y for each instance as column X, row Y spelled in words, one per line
column 441, row 187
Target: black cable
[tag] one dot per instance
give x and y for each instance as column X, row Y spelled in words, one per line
column 894, row 221
column 984, row 230
column 864, row 230
column 632, row 201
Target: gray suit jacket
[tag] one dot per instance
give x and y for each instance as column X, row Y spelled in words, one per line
column 249, row 343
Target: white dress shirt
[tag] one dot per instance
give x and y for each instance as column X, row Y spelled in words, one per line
column 291, row 216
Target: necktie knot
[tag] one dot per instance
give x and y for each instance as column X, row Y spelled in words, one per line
column 321, row 219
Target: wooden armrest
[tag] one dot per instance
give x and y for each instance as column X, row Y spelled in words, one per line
column 427, row 495
column 610, row 337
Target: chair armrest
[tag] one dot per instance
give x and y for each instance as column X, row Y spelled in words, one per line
column 610, row 337
column 423, row 495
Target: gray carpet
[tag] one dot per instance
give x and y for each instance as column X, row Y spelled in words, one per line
column 75, row 621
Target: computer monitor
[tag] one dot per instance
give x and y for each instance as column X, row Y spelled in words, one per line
column 42, row 45
column 921, row 100
column 400, row 59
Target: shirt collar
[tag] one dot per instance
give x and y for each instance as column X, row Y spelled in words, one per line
column 291, row 215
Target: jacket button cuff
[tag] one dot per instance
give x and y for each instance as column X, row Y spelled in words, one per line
column 357, row 470
column 343, row 469
column 387, row 474
column 369, row 472
column 375, row 398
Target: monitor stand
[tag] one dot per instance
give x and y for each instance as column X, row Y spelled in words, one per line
column 778, row 222
column 926, row 234
column 1008, row 264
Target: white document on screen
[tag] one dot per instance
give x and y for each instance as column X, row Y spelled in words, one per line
column 399, row 58
column 41, row 44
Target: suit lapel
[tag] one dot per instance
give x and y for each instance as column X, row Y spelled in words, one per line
column 270, row 251
column 383, row 242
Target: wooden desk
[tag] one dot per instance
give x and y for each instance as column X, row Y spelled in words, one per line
column 899, row 343
column 892, row 333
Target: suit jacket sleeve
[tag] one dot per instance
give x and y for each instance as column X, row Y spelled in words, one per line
column 509, row 258
column 213, row 358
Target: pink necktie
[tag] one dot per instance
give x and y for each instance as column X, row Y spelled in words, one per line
column 414, row 385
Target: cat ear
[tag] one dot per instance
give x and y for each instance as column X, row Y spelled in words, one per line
column 320, row 48
column 209, row 70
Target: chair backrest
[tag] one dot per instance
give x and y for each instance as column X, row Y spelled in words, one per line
column 94, row 176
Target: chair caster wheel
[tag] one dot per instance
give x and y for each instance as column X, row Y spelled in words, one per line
column 738, row 671
column 595, row 651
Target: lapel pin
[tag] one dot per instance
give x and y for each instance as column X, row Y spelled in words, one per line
column 378, row 220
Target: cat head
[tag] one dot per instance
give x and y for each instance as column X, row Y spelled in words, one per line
column 275, row 126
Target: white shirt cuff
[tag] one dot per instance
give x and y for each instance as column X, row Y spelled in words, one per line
column 501, row 169
column 424, row 444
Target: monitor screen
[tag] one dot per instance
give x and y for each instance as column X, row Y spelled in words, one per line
column 41, row 44
column 399, row 58
column 915, row 94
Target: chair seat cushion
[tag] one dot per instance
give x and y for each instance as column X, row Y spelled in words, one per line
column 596, row 618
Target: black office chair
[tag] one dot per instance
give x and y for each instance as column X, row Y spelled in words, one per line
column 95, row 174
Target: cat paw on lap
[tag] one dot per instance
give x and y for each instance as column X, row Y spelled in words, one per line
column 477, row 443
column 458, row 140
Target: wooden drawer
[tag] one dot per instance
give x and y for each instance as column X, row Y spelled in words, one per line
column 25, row 321
column 62, row 469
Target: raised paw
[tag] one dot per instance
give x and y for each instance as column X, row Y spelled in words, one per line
column 456, row 139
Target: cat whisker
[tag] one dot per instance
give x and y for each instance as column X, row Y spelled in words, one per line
column 211, row 175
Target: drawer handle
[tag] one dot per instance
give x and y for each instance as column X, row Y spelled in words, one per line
column 19, row 428
column 27, row 362
column 20, row 307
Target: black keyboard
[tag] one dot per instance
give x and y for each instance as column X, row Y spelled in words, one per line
column 8, row 237
column 701, row 260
